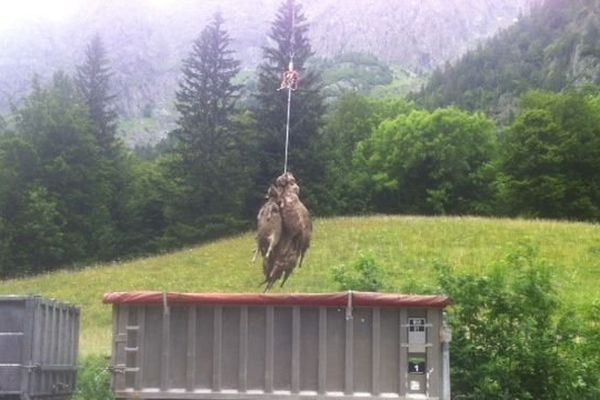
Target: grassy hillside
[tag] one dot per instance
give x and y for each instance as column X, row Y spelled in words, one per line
column 407, row 247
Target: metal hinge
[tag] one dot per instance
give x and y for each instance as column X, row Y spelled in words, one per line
column 121, row 369
column 117, row 369
column 31, row 367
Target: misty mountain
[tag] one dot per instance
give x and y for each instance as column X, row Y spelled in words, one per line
column 146, row 42
column 554, row 48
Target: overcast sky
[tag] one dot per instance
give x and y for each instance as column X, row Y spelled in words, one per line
column 17, row 12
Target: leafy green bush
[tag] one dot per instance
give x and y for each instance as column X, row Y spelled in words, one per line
column 512, row 341
column 427, row 163
column 93, row 381
column 365, row 274
column 548, row 156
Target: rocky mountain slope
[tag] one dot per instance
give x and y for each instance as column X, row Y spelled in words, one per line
column 418, row 35
column 146, row 40
column 555, row 48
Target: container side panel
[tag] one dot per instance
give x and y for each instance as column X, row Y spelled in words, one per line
column 53, row 347
column 178, row 344
column 71, row 348
column 131, row 346
column 434, row 353
column 11, row 316
column 363, row 346
column 295, row 364
column 68, row 337
column 60, row 379
column 282, row 345
column 309, row 348
column 152, row 347
column 120, row 319
column 38, row 334
column 63, row 356
column 190, row 356
column 243, row 364
column 217, row 348
column 322, row 384
column 10, row 379
column 336, row 347
column 403, row 352
column 75, row 353
column 58, row 358
column 11, row 349
column 65, row 340
column 204, row 347
column 389, row 370
column 256, row 348
column 66, row 352
column 375, row 350
column 165, row 348
column 26, row 343
column 44, row 378
column 269, row 346
column 230, row 370
column 11, row 344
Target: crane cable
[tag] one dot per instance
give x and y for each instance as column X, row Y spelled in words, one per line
column 287, row 124
column 289, row 81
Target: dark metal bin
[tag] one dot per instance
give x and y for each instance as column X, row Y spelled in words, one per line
column 347, row 346
column 38, row 348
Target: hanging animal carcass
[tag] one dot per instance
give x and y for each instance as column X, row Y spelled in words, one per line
column 284, row 230
column 269, row 226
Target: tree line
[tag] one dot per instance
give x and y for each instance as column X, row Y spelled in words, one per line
column 392, row 156
column 72, row 194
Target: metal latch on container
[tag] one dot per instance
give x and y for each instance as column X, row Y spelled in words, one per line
column 117, row 369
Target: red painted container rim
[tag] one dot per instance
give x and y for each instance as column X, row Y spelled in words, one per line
column 338, row 299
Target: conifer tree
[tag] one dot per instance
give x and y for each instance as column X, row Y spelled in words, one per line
column 93, row 83
column 207, row 146
column 289, row 40
column 53, row 201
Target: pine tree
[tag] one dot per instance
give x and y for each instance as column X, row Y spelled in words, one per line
column 54, row 197
column 289, row 39
column 93, row 83
column 207, row 146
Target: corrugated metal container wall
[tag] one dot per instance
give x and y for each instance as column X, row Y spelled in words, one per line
column 38, row 348
column 233, row 352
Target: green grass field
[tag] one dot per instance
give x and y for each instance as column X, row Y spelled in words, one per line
column 407, row 247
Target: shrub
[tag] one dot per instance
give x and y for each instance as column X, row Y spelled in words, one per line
column 511, row 340
column 365, row 274
column 93, row 381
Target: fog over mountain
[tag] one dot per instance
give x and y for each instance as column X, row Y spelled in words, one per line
column 146, row 40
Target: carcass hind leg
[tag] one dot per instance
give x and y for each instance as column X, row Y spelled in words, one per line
column 286, row 275
column 271, row 245
column 300, row 261
column 269, row 286
column 275, row 271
